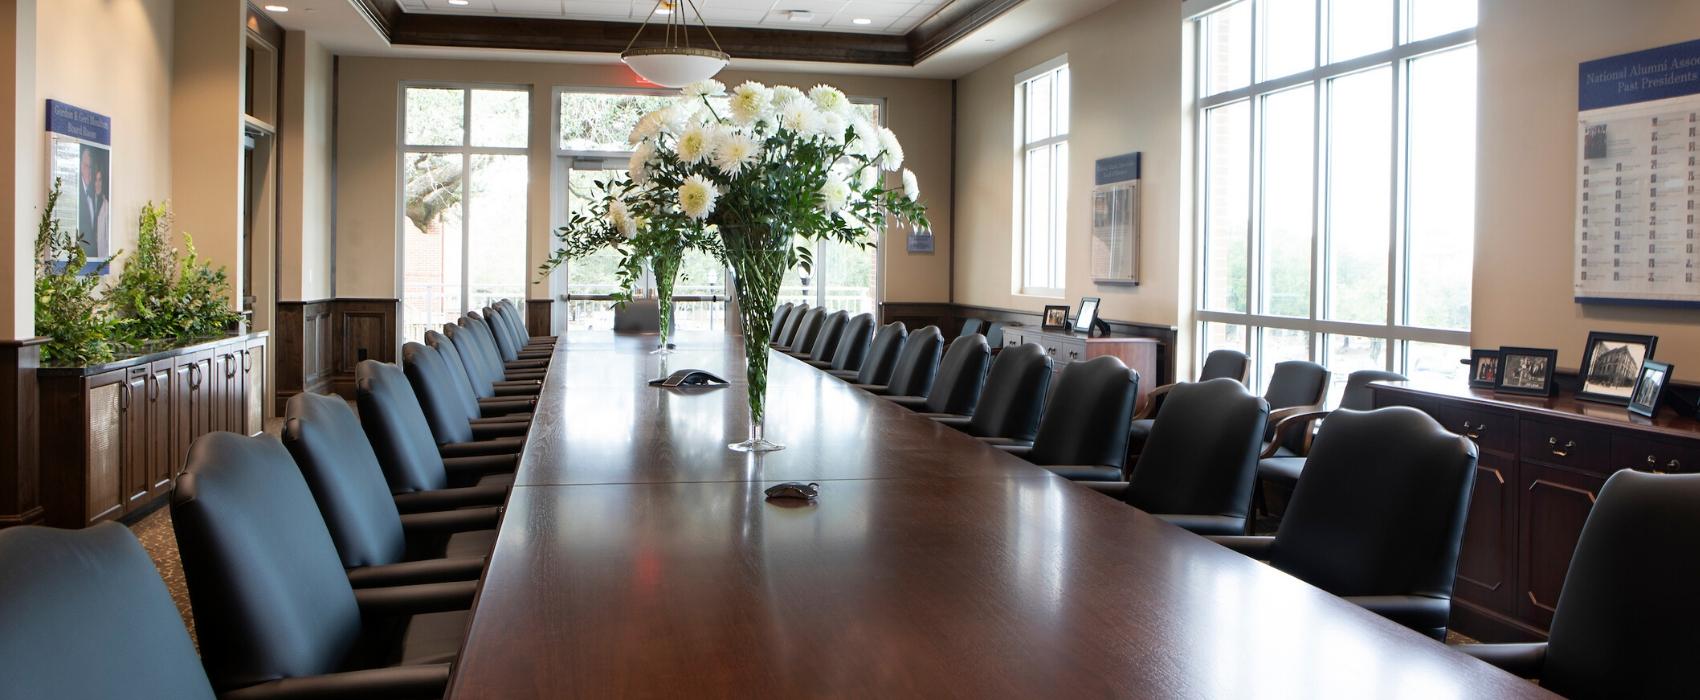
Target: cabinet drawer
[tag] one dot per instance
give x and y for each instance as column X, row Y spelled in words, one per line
column 1011, row 339
column 1492, row 430
column 1071, row 351
column 1565, row 444
column 1654, row 455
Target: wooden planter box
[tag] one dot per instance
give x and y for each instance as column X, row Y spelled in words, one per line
column 113, row 436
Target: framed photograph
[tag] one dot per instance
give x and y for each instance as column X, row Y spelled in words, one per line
column 1650, row 388
column 1611, row 363
column 1484, row 368
column 1056, row 317
column 1087, row 316
column 1526, row 371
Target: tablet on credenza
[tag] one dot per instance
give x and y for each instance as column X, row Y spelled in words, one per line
column 1087, row 315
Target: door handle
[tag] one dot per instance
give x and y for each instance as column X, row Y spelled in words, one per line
column 195, row 376
column 124, row 396
column 247, row 361
column 1552, row 444
column 1474, row 433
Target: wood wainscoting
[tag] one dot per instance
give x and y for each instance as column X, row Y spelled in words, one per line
column 20, row 465
column 540, row 316
column 362, row 329
column 303, row 349
column 950, row 317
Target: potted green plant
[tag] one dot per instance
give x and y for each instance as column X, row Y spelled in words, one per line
column 69, row 309
column 167, row 296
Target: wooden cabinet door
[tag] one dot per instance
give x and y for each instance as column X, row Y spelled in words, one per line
column 192, row 414
column 217, row 379
column 1486, row 563
column 132, row 403
column 103, row 486
column 162, row 457
column 1555, row 504
column 254, row 369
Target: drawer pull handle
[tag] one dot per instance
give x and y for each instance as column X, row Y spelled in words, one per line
column 1475, row 432
column 1671, row 467
column 1557, row 451
column 1073, row 355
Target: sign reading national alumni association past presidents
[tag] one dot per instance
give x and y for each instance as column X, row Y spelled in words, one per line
column 1637, row 173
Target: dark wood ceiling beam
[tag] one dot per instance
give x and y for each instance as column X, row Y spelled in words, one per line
column 950, row 24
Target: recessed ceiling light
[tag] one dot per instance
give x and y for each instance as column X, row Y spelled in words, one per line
column 663, row 11
column 861, row 20
column 801, row 16
column 460, row 3
column 276, row 8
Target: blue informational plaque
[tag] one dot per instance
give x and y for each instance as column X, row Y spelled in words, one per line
column 1120, row 168
column 72, row 120
column 920, row 241
column 1654, row 74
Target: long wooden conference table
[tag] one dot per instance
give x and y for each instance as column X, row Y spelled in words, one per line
column 638, row 558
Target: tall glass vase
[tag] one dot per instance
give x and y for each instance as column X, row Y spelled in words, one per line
column 666, row 269
column 759, row 257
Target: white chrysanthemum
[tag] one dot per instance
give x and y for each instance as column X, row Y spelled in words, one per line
column 783, row 94
column 647, row 126
column 911, row 186
column 832, row 126
column 675, row 118
column 835, row 194
column 705, row 88
column 696, row 144
column 829, row 99
column 800, row 116
column 870, row 178
column 867, row 139
column 750, row 102
column 621, row 219
column 893, row 158
column 735, row 151
column 851, row 221
column 696, row 197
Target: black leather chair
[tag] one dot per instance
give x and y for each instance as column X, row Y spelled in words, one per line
column 807, row 330
column 779, row 314
column 379, row 374
column 439, row 539
column 1379, row 517
column 783, row 335
column 516, row 319
column 1219, row 364
column 826, row 341
column 452, row 414
column 481, row 330
column 493, row 396
column 1296, row 387
column 1616, row 633
column 1013, row 399
column 961, row 376
column 917, row 366
column 1200, row 460
column 881, row 358
column 412, row 460
column 86, row 616
column 638, row 316
column 970, row 327
column 994, row 336
column 512, row 345
column 485, row 368
column 272, row 603
column 466, row 390
column 1284, row 469
column 852, row 345
column 1083, row 435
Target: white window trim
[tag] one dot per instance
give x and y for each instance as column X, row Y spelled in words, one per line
column 1394, row 330
column 1019, row 261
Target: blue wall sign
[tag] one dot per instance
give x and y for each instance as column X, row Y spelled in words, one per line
column 77, row 122
column 1654, row 74
column 1116, row 169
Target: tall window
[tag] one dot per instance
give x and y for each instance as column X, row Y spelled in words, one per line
column 464, row 182
column 1336, row 160
column 1041, row 98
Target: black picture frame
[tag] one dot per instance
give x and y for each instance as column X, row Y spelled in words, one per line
column 1484, row 368
column 1055, row 318
column 1529, row 370
column 1611, row 366
column 1087, row 315
column 1650, row 385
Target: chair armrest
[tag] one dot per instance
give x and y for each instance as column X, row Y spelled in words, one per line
column 1005, row 442
column 1113, row 489
column 1415, row 611
column 490, row 430
column 526, row 364
column 844, row 374
column 525, row 375
column 421, row 681
column 1524, row 660
column 414, row 572
column 875, row 389
column 480, row 465
column 495, row 446
column 517, row 389
column 1205, row 524
column 445, row 522
column 419, row 502
column 506, row 405
column 417, row 599
column 1087, row 472
column 1292, row 418
column 913, row 403
column 1256, row 547
column 1152, row 398
column 503, row 419
column 954, row 420
column 1022, row 451
column 819, row 364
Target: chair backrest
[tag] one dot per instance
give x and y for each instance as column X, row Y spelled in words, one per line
column 1086, row 421
column 1380, row 509
column 961, row 376
column 500, row 318
column 1623, row 626
column 481, row 348
column 270, row 595
column 1015, row 394
column 456, row 366
column 970, row 327
column 515, row 322
column 779, row 314
column 505, row 346
column 831, row 330
column 1296, row 383
column 397, row 429
column 1357, row 396
column 1224, row 364
column 918, row 365
column 783, row 335
column 638, row 316
column 323, row 435
column 446, row 412
column 882, row 354
column 808, row 330
column 994, row 334
column 87, row 616
column 1201, row 455
column 853, row 343
column 479, row 373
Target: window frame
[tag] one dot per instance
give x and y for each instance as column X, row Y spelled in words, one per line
column 1395, row 329
column 1022, row 230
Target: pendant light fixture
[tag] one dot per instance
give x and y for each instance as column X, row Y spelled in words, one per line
column 675, row 63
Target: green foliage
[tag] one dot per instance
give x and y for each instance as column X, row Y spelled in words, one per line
column 68, row 309
column 166, row 296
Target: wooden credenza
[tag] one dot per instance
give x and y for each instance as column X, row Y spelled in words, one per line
column 1542, row 463
column 1139, row 353
column 113, row 436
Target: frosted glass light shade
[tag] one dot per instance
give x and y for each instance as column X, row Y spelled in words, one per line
column 675, row 67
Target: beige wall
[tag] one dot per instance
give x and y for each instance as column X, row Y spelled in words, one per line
column 305, row 252
column 368, row 120
column 1125, row 67
column 206, row 129
column 1526, row 190
column 19, row 145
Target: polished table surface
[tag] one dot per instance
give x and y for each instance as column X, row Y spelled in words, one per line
column 638, row 558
